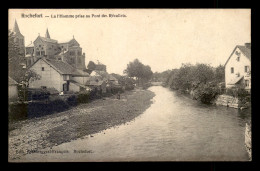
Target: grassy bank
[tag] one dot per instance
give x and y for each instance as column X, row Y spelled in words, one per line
column 75, row 123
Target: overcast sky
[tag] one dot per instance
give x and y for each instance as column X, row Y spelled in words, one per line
column 161, row 38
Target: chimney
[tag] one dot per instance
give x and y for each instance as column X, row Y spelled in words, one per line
column 248, row 45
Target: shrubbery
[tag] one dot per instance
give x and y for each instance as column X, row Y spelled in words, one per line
column 203, row 79
column 239, row 92
column 206, row 93
column 115, row 90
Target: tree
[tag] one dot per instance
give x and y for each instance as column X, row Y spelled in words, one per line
column 91, row 65
column 202, row 73
column 15, row 59
column 220, row 73
column 142, row 72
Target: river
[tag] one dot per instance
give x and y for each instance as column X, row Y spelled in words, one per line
column 174, row 128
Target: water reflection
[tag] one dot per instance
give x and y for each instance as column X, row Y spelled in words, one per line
column 174, row 128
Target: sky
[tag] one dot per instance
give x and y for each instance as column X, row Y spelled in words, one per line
column 160, row 38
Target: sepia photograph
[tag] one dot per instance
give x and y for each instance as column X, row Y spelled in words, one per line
column 113, row 85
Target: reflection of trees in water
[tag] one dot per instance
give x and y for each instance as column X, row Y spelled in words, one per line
column 245, row 114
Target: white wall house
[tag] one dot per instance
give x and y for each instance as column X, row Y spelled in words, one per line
column 57, row 74
column 238, row 67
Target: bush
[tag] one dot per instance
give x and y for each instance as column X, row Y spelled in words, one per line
column 86, row 97
column 206, row 93
column 58, row 105
column 129, row 87
column 72, row 100
column 115, row 90
column 240, row 93
column 17, row 111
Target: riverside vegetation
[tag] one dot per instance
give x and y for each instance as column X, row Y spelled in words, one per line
column 202, row 81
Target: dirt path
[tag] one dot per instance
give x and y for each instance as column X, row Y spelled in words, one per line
column 85, row 119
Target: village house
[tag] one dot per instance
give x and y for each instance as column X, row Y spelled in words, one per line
column 59, row 75
column 12, row 89
column 61, row 65
column 238, row 67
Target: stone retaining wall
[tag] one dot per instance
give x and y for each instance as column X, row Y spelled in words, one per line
column 229, row 101
column 248, row 140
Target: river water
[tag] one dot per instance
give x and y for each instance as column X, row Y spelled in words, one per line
column 174, row 128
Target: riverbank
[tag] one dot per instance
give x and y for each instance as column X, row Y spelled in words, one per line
column 85, row 119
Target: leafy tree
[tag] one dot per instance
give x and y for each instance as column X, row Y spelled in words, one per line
column 142, row 72
column 91, row 65
column 15, row 59
column 220, row 73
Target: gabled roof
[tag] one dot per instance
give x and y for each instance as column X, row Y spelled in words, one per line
column 46, row 39
column 11, row 81
column 246, row 51
column 62, row 67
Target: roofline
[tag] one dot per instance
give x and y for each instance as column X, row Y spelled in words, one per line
column 237, row 46
column 48, row 64
column 230, row 55
column 46, row 61
column 243, row 53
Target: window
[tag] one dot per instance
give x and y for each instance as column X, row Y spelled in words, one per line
column 37, row 53
column 246, row 68
column 42, row 68
column 43, row 53
column 238, row 58
column 79, row 53
column 232, row 70
column 66, row 86
column 40, row 46
column 247, row 83
column 43, row 87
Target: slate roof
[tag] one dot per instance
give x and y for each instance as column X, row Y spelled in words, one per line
column 11, row 81
column 48, row 40
column 246, row 51
column 62, row 67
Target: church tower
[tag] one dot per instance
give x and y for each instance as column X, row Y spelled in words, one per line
column 19, row 38
column 47, row 35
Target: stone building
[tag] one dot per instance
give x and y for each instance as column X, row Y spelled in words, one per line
column 60, row 65
column 18, row 38
column 67, row 51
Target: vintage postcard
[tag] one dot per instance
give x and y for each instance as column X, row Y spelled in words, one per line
column 129, row 85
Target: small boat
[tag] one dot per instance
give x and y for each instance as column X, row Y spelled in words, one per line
column 248, row 144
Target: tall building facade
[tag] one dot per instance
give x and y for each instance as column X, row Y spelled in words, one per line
column 18, row 38
column 68, row 51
